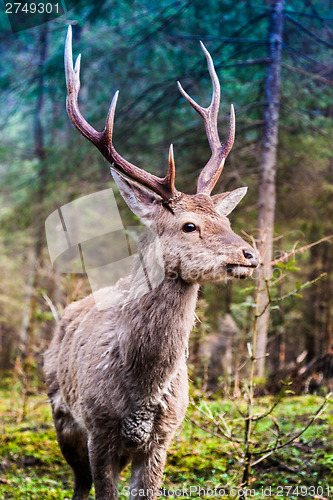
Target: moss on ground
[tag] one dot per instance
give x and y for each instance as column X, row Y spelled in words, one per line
column 32, row 467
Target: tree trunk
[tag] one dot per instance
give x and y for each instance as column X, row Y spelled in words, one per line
column 268, row 171
column 328, row 344
column 28, row 325
column 312, row 312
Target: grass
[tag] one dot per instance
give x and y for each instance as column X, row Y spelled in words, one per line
column 32, row 467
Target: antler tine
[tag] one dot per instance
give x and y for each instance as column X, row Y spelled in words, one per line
column 212, row 170
column 73, row 88
column 165, row 186
column 170, row 177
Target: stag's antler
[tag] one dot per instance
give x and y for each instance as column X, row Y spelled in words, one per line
column 165, row 186
column 212, row 170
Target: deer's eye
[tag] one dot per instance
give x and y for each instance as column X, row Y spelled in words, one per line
column 189, row 227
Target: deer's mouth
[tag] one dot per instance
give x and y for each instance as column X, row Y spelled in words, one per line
column 240, row 272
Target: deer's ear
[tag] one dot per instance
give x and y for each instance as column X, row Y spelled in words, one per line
column 143, row 203
column 226, row 202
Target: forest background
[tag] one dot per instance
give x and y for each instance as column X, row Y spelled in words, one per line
column 143, row 49
column 274, row 61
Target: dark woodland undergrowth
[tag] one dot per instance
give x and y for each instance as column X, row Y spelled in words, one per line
column 32, row 467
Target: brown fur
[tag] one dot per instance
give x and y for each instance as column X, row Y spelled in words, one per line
column 116, row 368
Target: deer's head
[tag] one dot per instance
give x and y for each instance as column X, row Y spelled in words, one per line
column 197, row 241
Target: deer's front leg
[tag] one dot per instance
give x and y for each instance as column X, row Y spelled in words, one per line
column 106, row 464
column 147, row 471
column 138, row 425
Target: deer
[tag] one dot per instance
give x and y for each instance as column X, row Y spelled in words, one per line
column 116, row 376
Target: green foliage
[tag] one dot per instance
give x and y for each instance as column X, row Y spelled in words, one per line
column 143, row 50
column 31, row 465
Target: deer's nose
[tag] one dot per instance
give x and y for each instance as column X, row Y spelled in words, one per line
column 252, row 256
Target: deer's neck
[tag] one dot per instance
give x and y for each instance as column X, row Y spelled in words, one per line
column 155, row 333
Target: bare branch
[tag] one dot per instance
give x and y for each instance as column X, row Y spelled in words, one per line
column 320, row 410
column 299, row 250
column 313, row 16
column 260, row 60
column 306, row 119
column 312, row 76
column 292, row 50
column 218, row 38
column 309, row 32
